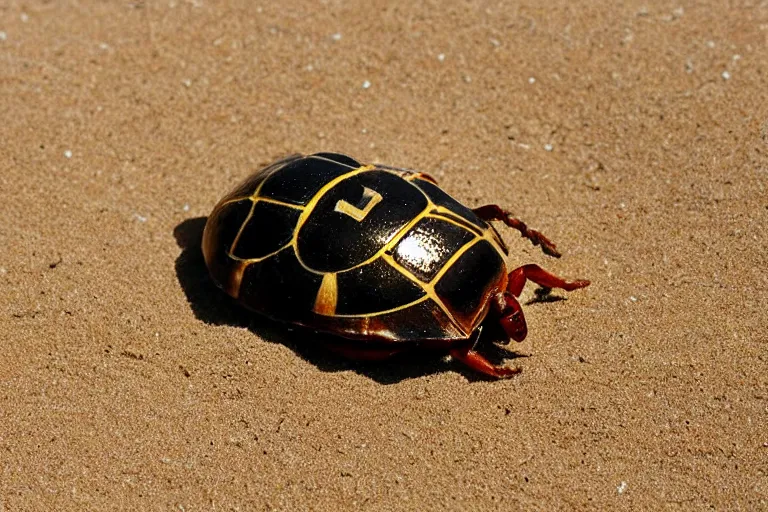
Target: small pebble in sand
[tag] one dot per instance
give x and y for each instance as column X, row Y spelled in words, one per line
column 24, row 17
column 3, row 35
column 548, row 147
column 366, row 84
column 139, row 218
column 621, row 487
column 185, row 208
column 726, row 75
column 336, row 37
column 441, row 57
column 531, row 80
column 68, row 153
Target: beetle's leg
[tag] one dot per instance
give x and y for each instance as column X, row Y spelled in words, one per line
column 511, row 316
column 466, row 354
column 538, row 275
column 480, row 364
column 491, row 212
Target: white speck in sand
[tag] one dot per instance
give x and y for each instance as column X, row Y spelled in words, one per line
column 366, row 84
column 139, row 218
column 621, row 487
column 187, row 82
column 336, row 37
column 532, row 80
column 24, row 17
column 711, row 44
column 68, row 153
column 185, row 208
column 726, row 75
column 548, row 147
column 3, row 35
column 633, row 298
column 441, row 57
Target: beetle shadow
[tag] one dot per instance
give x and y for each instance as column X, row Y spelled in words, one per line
column 542, row 294
column 213, row 306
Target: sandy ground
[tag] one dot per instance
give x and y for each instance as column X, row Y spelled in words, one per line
column 635, row 137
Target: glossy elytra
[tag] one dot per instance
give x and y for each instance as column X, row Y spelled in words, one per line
column 379, row 256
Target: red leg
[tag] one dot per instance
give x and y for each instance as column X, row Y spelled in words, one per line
column 511, row 317
column 495, row 212
column 466, row 354
column 538, row 275
column 480, row 364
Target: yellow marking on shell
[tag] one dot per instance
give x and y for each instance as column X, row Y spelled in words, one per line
column 386, row 311
column 419, row 176
column 236, row 279
column 273, row 173
column 489, row 234
column 429, row 288
column 316, row 198
column 254, row 197
column 495, row 240
column 446, row 267
column 260, row 258
column 327, row 295
column 353, row 211
column 315, row 157
column 452, row 220
column 454, row 257
column 310, row 206
column 278, row 202
column 384, row 249
column 240, row 231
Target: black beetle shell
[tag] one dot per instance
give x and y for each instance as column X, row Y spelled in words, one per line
column 362, row 251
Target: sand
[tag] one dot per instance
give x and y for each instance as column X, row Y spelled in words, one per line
column 635, row 137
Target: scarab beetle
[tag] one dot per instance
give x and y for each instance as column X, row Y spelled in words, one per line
column 381, row 257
